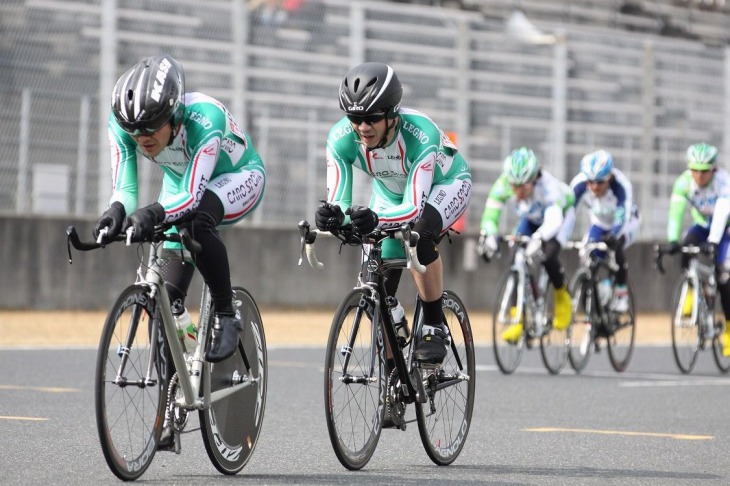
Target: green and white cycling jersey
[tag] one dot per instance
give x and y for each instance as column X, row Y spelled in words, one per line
column 548, row 192
column 703, row 202
column 421, row 165
column 210, row 152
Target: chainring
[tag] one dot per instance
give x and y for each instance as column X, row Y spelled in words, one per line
column 394, row 399
column 176, row 416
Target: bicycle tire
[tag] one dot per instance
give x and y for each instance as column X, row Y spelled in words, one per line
column 554, row 343
column 506, row 353
column 231, row 425
column 722, row 362
column 444, row 428
column 130, row 412
column 685, row 329
column 354, row 381
column 582, row 333
column 621, row 340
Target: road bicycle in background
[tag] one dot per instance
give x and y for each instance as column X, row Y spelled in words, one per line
column 146, row 383
column 594, row 319
column 362, row 395
column 525, row 296
column 697, row 318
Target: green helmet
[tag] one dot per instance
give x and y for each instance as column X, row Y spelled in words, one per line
column 701, row 156
column 521, row 166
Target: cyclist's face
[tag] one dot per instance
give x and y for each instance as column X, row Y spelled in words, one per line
column 371, row 129
column 702, row 177
column 598, row 188
column 153, row 143
column 523, row 191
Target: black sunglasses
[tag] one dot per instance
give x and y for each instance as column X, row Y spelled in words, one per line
column 368, row 119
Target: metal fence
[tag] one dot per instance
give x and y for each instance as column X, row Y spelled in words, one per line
column 596, row 85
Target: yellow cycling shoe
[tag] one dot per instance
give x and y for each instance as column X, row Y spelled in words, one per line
column 725, row 340
column 687, row 305
column 512, row 334
column 563, row 309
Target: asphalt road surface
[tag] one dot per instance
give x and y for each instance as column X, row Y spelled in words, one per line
column 648, row 426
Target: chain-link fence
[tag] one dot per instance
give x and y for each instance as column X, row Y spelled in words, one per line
column 594, row 85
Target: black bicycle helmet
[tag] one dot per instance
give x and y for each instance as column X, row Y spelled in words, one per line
column 149, row 95
column 369, row 88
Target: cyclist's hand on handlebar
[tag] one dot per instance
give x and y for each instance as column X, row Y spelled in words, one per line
column 363, row 219
column 488, row 246
column 673, row 247
column 112, row 219
column 143, row 221
column 610, row 240
column 534, row 246
column 328, row 217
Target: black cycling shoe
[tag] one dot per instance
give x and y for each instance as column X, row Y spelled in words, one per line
column 431, row 348
column 225, row 338
column 167, row 440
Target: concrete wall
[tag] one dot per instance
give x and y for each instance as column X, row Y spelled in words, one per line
column 37, row 274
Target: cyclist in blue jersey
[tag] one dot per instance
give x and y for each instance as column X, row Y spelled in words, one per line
column 212, row 178
column 419, row 178
column 608, row 195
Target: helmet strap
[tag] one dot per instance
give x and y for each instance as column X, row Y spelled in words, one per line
column 388, row 127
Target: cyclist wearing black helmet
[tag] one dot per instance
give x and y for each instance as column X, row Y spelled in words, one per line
column 418, row 178
column 212, row 178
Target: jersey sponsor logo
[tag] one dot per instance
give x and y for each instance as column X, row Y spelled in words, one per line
column 458, row 202
column 355, row 108
column 341, row 132
column 201, row 120
column 394, row 157
column 385, row 174
column 439, row 197
column 222, row 182
column 228, row 145
column 248, row 186
column 201, row 188
column 416, row 132
column 160, row 80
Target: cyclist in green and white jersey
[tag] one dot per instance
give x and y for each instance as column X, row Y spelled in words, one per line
column 212, row 178
column 419, row 178
column 545, row 208
column 706, row 187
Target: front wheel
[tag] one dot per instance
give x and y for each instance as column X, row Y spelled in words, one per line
column 555, row 343
column 685, row 329
column 131, row 373
column 232, row 424
column 508, row 312
column 354, row 381
column 444, row 420
column 621, row 339
column 581, row 336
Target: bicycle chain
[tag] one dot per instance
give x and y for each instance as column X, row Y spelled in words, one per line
column 393, row 400
column 175, row 415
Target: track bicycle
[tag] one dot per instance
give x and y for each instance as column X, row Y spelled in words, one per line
column 139, row 395
column 524, row 296
column 594, row 320
column 696, row 317
column 362, row 396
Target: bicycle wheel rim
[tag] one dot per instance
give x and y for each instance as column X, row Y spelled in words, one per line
column 555, row 343
column 621, row 341
column 231, row 426
column 685, row 331
column 354, row 410
column 506, row 354
column 722, row 362
column 129, row 418
column 444, row 430
column 581, row 335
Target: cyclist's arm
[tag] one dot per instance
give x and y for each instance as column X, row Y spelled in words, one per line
column 498, row 196
column 719, row 219
column 677, row 205
column 418, row 187
column 563, row 198
column 123, row 167
column 621, row 188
